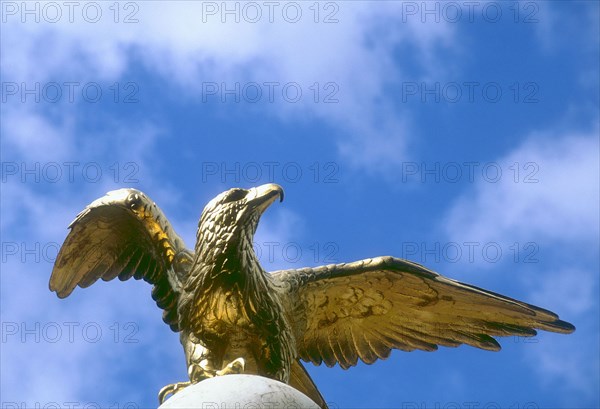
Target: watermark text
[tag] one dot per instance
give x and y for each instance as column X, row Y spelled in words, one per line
column 69, row 172
column 70, row 11
column 70, row 92
column 270, row 171
column 69, row 332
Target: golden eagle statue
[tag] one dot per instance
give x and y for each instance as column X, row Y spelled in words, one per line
column 234, row 317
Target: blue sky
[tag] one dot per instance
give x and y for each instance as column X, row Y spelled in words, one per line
column 460, row 135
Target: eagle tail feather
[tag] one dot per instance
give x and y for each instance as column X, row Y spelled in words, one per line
column 301, row 380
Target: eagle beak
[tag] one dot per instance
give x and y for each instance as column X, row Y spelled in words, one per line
column 261, row 197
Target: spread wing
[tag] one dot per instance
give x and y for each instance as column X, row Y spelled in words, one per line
column 364, row 309
column 124, row 234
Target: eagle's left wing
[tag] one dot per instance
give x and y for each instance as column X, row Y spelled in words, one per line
column 367, row 308
column 124, row 234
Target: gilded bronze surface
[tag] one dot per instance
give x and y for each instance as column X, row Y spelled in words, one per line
column 234, row 317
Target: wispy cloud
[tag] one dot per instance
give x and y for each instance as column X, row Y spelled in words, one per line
column 547, row 190
column 327, row 53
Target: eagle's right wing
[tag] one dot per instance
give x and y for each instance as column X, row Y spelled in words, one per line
column 124, row 234
column 344, row 312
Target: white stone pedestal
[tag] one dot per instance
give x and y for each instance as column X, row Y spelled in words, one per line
column 239, row 392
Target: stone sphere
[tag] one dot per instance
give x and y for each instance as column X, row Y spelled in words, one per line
column 239, row 392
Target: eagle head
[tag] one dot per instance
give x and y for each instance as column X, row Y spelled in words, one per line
column 229, row 221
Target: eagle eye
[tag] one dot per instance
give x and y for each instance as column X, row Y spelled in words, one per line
column 235, row 195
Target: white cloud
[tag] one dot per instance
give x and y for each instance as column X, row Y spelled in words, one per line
column 560, row 202
column 568, row 365
column 568, row 362
column 187, row 47
column 52, row 351
column 572, row 291
column 31, row 132
column 557, row 30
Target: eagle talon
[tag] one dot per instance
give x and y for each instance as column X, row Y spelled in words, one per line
column 171, row 390
column 234, row 367
column 201, row 371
